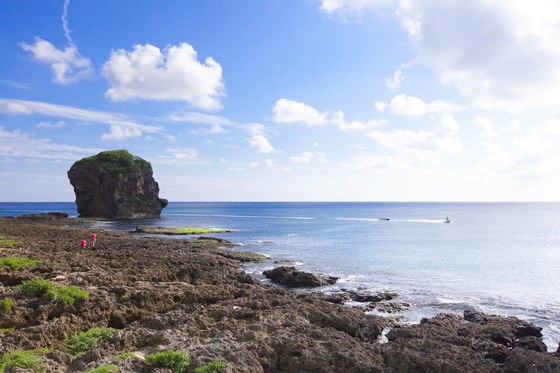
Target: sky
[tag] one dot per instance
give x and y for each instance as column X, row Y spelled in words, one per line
column 286, row 100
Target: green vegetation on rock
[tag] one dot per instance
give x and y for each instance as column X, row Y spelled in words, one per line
column 124, row 355
column 213, row 367
column 174, row 230
column 24, row 359
column 7, row 330
column 115, row 162
column 6, row 304
column 16, row 262
column 176, row 360
column 47, row 289
column 80, row 343
column 124, row 298
column 7, row 242
column 104, row 368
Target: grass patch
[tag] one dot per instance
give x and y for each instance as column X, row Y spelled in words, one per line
column 81, row 343
column 56, row 264
column 16, row 262
column 176, row 231
column 6, row 304
column 8, row 243
column 24, row 359
column 213, row 367
column 124, row 355
column 124, row 298
column 104, row 368
column 7, row 330
column 47, row 289
column 176, row 360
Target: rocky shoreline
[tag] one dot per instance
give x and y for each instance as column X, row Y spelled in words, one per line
column 191, row 295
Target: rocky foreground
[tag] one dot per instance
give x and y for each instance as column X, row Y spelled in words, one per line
column 191, row 296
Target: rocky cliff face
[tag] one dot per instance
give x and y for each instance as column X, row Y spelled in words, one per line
column 115, row 184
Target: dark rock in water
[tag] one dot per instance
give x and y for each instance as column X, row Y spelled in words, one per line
column 115, row 184
column 48, row 216
column 293, row 278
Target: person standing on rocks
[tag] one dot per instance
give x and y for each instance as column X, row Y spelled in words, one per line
column 93, row 238
column 83, row 244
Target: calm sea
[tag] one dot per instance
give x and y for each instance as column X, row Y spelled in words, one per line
column 500, row 258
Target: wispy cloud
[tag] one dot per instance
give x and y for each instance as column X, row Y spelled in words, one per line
column 121, row 125
column 59, row 124
column 172, row 75
column 22, row 145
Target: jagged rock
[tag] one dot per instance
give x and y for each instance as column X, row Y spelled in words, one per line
column 293, row 278
column 115, row 184
column 48, row 216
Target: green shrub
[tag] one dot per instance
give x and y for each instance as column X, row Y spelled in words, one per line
column 56, row 264
column 8, row 330
column 213, row 367
column 6, row 304
column 176, row 360
column 124, row 298
column 104, row 368
column 115, row 162
column 47, row 289
column 124, row 356
column 80, row 343
column 25, row 359
column 16, row 262
column 68, row 294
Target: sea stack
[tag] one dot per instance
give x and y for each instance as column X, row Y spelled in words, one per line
column 116, row 184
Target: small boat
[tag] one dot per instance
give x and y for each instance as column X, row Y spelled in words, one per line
column 384, row 219
column 447, row 220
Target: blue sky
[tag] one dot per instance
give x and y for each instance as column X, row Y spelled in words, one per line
column 286, row 100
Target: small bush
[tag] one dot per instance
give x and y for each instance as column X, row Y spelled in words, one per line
column 56, row 264
column 16, row 262
column 79, row 344
column 124, row 298
column 47, row 289
column 7, row 304
column 8, row 330
column 176, row 360
column 25, row 359
column 124, row 356
column 213, row 367
column 104, row 368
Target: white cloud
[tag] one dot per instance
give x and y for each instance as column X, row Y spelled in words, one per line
column 121, row 133
column 254, row 128
column 394, row 83
column 120, row 122
column 174, row 75
column 422, row 145
column 184, row 153
column 414, row 106
column 351, row 6
column 67, row 65
column 289, row 111
column 380, row 106
column 59, row 124
column 260, row 144
column 501, row 55
column 18, row 144
column 194, row 117
column 355, row 125
column 302, row 158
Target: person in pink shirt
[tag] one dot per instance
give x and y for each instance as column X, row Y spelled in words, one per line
column 93, row 238
column 83, row 244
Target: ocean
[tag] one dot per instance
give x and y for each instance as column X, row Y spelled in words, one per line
column 498, row 258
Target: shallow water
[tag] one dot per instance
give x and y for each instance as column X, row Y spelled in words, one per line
column 501, row 258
